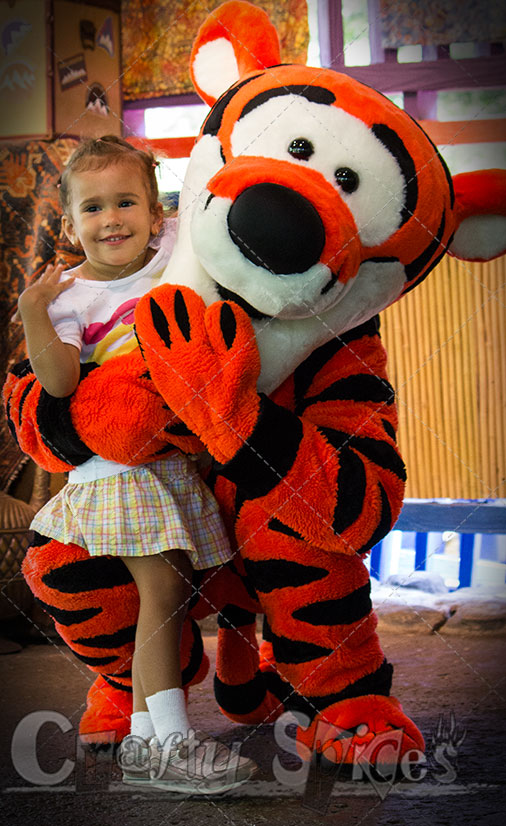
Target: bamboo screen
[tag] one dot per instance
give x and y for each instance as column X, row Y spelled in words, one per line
column 446, row 345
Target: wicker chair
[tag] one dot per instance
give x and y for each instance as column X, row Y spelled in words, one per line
column 16, row 599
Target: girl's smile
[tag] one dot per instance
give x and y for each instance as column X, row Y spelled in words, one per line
column 115, row 240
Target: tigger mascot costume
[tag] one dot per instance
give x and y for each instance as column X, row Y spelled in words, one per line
column 311, row 203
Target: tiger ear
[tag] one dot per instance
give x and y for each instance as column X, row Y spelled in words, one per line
column 235, row 39
column 480, row 204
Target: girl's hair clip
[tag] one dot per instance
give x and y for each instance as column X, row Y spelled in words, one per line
column 155, row 164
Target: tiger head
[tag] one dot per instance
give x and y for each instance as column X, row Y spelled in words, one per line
column 311, row 200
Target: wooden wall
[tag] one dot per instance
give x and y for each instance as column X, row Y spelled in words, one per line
column 446, row 343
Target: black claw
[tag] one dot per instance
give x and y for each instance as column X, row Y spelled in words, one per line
column 138, row 341
column 160, row 322
column 228, row 325
column 181, row 314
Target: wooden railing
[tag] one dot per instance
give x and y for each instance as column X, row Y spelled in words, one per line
column 446, row 344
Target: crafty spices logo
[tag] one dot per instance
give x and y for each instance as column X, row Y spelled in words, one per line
column 59, row 761
column 337, row 756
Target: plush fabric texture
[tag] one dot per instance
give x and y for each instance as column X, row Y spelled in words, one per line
column 94, row 604
column 357, row 723
column 294, row 406
column 262, row 47
column 210, row 352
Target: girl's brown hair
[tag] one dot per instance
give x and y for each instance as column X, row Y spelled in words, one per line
column 98, row 153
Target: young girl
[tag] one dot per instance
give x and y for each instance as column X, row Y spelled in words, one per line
column 160, row 517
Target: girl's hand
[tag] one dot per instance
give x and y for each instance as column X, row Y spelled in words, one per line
column 41, row 293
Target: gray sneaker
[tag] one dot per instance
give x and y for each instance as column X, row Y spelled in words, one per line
column 133, row 758
column 198, row 765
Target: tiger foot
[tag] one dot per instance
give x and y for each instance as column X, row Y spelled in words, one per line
column 370, row 731
column 107, row 715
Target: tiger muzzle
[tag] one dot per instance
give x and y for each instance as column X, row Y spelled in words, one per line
column 276, row 228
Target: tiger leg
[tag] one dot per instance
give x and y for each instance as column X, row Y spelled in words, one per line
column 240, row 690
column 94, row 603
column 194, row 660
column 320, row 633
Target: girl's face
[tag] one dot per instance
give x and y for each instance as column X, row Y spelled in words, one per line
column 111, row 218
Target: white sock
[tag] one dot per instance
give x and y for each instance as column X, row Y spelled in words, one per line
column 141, row 725
column 167, row 709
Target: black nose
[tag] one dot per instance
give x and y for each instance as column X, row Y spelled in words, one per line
column 276, row 228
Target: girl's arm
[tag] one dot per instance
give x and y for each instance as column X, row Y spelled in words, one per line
column 55, row 363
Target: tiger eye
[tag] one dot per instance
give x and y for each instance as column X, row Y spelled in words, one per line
column 347, row 179
column 301, row 149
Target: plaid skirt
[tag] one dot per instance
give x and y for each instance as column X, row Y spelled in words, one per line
column 145, row 510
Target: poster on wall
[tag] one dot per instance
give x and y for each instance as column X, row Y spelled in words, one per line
column 87, row 92
column 23, row 74
column 439, row 22
column 157, row 40
column 72, row 72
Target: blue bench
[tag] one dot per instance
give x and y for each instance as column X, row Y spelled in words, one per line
column 466, row 518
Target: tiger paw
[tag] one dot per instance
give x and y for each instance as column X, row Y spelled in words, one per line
column 204, row 362
column 369, row 731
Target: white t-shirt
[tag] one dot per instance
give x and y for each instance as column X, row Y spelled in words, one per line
column 97, row 317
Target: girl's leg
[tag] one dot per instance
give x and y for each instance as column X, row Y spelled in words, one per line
column 164, row 585
column 187, row 761
column 141, row 724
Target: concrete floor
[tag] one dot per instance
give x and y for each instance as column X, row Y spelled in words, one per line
column 51, row 781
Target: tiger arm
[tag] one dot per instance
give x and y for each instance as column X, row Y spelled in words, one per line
column 319, row 455
column 324, row 462
column 115, row 412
